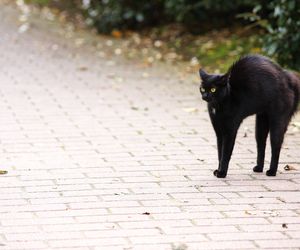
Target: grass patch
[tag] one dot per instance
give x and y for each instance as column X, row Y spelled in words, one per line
column 217, row 50
column 221, row 53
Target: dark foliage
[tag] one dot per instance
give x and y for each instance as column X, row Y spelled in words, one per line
column 197, row 15
column 283, row 37
column 281, row 20
column 107, row 15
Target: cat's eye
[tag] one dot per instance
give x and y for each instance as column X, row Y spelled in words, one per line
column 202, row 89
column 213, row 90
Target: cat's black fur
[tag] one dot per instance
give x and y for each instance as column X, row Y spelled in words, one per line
column 252, row 85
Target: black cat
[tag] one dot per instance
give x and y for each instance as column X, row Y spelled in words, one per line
column 252, row 85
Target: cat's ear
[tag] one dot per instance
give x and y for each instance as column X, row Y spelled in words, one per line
column 222, row 80
column 203, row 74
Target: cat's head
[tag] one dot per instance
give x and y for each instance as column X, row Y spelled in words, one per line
column 213, row 88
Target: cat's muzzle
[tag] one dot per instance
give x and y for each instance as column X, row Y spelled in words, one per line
column 206, row 97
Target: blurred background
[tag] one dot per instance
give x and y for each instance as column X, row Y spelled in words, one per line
column 210, row 33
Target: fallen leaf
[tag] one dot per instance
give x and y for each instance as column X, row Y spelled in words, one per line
column 79, row 42
column 194, row 61
column 119, row 79
column 3, row 172
column 289, row 168
column 284, row 225
column 280, row 199
column 271, row 213
column 158, row 43
column 110, row 63
column 118, row 51
column 158, row 56
column 150, row 60
column 112, row 76
column 109, row 43
column 246, row 129
column 54, row 47
column 145, row 75
column 180, row 247
column 296, row 124
column 190, row 110
column 116, row 34
column 146, row 213
column 23, row 28
column 83, row 68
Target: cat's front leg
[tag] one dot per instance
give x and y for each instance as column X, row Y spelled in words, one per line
column 220, row 146
column 228, row 141
column 217, row 125
column 220, row 174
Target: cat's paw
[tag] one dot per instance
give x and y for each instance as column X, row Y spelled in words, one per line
column 271, row 173
column 257, row 169
column 219, row 174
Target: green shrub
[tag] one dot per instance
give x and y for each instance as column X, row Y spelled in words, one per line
column 199, row 16
column 40, row 2
column 107, row 15
column 281, row 20
column 283, row 37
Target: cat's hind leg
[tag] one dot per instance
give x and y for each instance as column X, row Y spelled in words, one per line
column 277, row 131
column 261, row 134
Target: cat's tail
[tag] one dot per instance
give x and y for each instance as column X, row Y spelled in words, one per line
column 294, row 84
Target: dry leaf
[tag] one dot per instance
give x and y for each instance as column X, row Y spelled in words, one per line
column 190, row 110
column 116, row 34
column 296, row 124
column 111, row 75
column 194, row 61
column 79, row 42
column 145, row 75
column 110, row 63
column 119, row 79
column 289, row 167
column 118, row 51
column 23, row 28
column 109, row 43
column 3, row 172
column 180, row 247
column 83, row 68
column 158, row 43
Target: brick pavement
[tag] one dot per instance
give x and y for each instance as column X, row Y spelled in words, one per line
column 106, row 158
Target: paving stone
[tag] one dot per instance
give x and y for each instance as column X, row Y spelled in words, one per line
column 95, row 162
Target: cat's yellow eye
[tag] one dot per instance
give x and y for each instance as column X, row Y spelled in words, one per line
column 202, row 89
column 213, row 90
